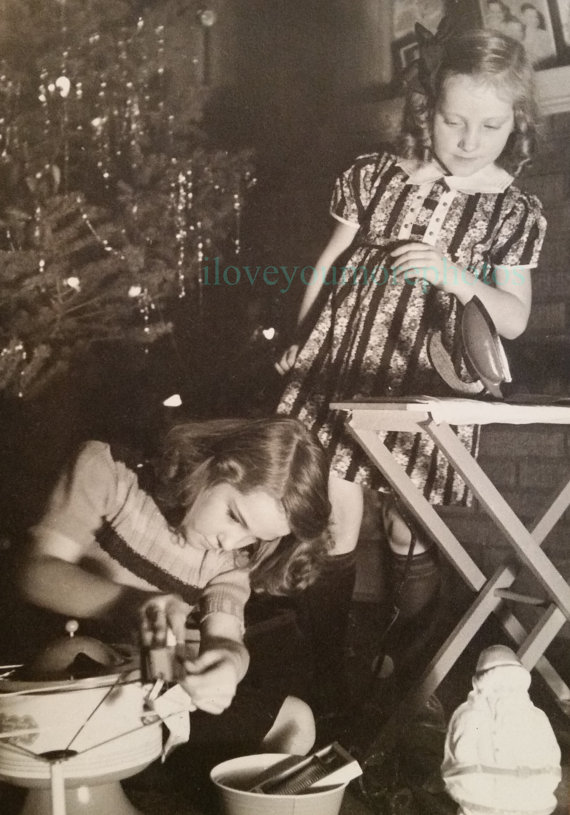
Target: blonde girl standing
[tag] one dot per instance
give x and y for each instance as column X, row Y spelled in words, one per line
column 427, row 228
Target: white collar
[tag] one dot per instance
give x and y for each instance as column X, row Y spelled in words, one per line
column 489, row 179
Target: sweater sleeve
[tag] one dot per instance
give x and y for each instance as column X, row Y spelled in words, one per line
column 77, row 505
column 96, row 495
column 228, row 593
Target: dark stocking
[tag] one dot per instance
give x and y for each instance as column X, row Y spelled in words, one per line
column 416, row 584
column 324, row 613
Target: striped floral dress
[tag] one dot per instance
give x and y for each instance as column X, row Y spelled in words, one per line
column 370, row 337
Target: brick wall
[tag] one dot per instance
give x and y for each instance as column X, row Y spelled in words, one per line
column 528, row 463
column 550, row 317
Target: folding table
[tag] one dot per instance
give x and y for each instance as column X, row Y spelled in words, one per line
column 436, row 417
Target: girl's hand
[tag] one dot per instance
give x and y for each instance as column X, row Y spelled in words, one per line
column 287, row 360
column 420, row 261
column 211, row 680
column 159, row 614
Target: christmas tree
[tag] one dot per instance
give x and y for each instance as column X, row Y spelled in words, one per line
column 111, row 197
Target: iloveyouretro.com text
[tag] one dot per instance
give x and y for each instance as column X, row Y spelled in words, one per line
column 283, row 277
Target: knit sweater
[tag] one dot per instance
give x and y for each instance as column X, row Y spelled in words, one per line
column 99, row 514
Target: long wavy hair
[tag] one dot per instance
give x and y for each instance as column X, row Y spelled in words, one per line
column 491, row 56
column 278, row 455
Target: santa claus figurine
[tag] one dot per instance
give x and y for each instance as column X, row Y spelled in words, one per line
column 501, row 754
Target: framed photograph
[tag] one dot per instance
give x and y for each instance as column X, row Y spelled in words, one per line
column 404, row 52
column 533, row 23
column 563, row 9
column 406, row 13
column 544, row 28
column 543, row 25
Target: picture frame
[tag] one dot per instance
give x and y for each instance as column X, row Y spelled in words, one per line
column 552, row 65
column 552, row 72
column 563, row 9
column 529, row 21
column 404, row 52
column 406, row 13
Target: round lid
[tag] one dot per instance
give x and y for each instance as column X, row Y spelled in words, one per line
column 76, row 657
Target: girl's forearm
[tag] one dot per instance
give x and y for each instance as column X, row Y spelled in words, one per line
column 341, row 238
column 312, row 290
column 509, row 313
column 223, row 631
column 233, row 650
column 66, row 588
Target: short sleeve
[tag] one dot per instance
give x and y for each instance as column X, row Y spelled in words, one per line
column 353, row 189
column 521, row 234
column 77, row 505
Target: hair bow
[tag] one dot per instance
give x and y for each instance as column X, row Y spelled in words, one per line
column 422, row 76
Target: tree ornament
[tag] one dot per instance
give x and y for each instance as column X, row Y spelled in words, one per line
column 111, row 191
column 207, row 17
column 74, row 283
column 63, row 85
column 237, row 210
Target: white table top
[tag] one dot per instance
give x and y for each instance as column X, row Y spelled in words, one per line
column 458, row 411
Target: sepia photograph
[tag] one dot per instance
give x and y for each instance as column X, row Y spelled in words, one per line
column 531, row 23
column 405, row 52
column 406, row 13
column 563, row 7
column 284, row 407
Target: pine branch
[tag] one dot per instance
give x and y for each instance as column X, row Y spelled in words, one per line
column 109, row 192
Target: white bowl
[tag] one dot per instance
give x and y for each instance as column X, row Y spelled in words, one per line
column 231, row 777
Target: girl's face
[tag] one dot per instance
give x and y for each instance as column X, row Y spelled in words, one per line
column 222, row 517
column 530, row 17
column 472, row 124
column 495, row 15
column 515, row 29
